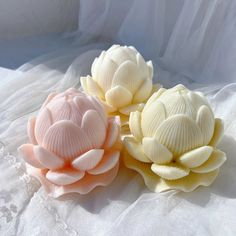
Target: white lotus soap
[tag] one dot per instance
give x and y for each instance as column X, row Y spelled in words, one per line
column 173, row 141
column 121, row 79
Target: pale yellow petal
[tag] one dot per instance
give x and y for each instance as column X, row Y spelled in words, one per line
column 206, row 122
column 135, row 125
column 179, row 134
column 118, row 97
column 171, row 171
column 157, row 184
column 152, row 118
column 155, row 96
column 143, row 91
column 216, row 159
column 135, row 150
column 156, row 151
column 131, row 108
column 195, row 157
column 150, row 69
column 218, row 132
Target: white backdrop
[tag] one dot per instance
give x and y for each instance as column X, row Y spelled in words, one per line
column 192, row 42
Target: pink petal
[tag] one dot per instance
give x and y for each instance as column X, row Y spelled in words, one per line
column 66, row 140
column 49, row 98
column 75, row 116
column 64, row 177
column 42, row 124
column 47, row 158
column 107, row 163
column 27, row 153
column 30, row 130
column 88, row 160
column 94, row 127
column 113, row 132
column 83, row 104
column 83, row 186
column 60, row 109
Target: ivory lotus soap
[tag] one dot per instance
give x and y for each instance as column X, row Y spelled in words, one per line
column 121, row 79
column 74, row 146
column 173, row 141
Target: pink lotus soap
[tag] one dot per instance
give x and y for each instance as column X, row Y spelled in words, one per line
column 74, row 146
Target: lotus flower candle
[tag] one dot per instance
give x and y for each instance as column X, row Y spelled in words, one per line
column 173, row 142
column 74, row 146
column 121, row 79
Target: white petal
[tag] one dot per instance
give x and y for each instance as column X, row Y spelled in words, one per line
column 195, row 157
column 47, row 158
column 64, row 177
column 144, row 91
column 118, row 97
column 108, row 162
column 150, row 68
column 143, row 68
column 218, row 132
column 154, row 97
column 156, row 151
column 216, row 159
column 206, row 122
column 105, row 73
column 127, row 75
column 88, row 160
column 170, row 172
column 135, row 150
column 135, row 124
column 93, row 125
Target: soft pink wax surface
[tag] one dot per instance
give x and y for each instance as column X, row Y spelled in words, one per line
column 74, row 146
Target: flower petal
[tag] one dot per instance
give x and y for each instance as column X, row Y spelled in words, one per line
column 64, row 177
column 113, row 132
column 154, row 97
column 135, row 124
column 47, row 158
column 83, row 104
column 30, row 130
column 131, row 108
column 143, row 92
column 42, row 124
column 92, row 87
column 144, row 69
column 170, row 172
column 93, row 125
column 216, row 159
column 108, row 162
column 105, row 73
column 135, row 150
column 27, row 153
column 152, row 118
column 179, row 134
column 60, row 109
column 118, row 96
column 127, row 75
column 206, row 122
column 157, row 184
column 150, row 68
column 49, row 98
column 156, row 152
column 218, row 132
column 88, row 160
column 195, row 157
column 66, row 140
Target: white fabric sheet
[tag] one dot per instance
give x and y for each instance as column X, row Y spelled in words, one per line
column 190, row 42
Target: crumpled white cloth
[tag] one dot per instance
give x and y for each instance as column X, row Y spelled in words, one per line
column 190, row 42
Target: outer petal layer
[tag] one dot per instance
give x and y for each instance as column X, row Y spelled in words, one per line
column 157, row 184
column 135, row 150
